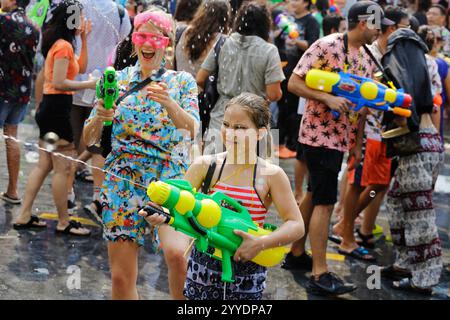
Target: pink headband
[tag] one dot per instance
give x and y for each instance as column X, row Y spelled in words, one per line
column 159, row 19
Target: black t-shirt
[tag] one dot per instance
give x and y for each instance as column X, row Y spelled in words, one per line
column 309, row 30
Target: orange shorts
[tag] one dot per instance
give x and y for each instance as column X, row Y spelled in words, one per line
column 375, row 168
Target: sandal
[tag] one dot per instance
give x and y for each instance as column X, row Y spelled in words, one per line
column 33, row 223
column 359, row 253
column 390, row 272
column 335, row 238
column 85, row 176
column 365, row 240
column 95, row 210
column 10, row 200
column 407, row 285
column 73, row 225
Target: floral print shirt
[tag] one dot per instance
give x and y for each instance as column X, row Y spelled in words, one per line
column 18, row 45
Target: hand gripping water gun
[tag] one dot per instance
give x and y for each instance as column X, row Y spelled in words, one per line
column 107, row 89
column 363, row 92
column 208, row 219
column 38, row 12
column 288, row 26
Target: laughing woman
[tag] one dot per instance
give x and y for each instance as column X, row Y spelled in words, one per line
column 145, row 136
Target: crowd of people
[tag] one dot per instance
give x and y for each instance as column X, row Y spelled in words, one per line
column 217, row 76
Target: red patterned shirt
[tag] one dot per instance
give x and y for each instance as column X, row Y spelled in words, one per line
column 319, row 128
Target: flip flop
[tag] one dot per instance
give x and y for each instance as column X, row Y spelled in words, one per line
column 8, row 199
column 72, row 225
column 84, row 175
column 365, row 240
column 334, row 238
column 359, row 253
column 33, row 223
column 407, row 285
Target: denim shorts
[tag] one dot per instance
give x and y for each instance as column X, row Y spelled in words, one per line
column 11, row 113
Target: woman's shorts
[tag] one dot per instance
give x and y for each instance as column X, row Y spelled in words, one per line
column 54, row 116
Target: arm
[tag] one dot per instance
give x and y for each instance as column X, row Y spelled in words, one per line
column 273, row 91
column 86, row 29
column 60, row 81
column 356, row 151
column 202, row 75
column 291, row 230
column 298, row 87
column 93, row 128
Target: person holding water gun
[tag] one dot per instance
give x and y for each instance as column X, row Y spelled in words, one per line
column 254, row 182
column 157, row 105
column 325, row 138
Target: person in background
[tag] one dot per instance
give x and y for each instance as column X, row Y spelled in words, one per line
column 437, row 18
column 185, row 11
column 320, row 11
column 18, row 46
column 209, row 23
column 57, row 83
column 421, row 14
column 288, row 119
column 245, row 52
column 333, row 24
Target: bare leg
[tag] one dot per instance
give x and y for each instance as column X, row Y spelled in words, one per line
column 98, row 176
column 12, row 154
column 306, row 209
column 339, row 207
column 350, row 213
column 174, row 246
column 123, row 262
column 300, row 174
column 318, row 235
column 35, row 181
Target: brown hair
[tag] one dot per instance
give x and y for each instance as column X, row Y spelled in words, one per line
column 259, row 112
column 212, row 17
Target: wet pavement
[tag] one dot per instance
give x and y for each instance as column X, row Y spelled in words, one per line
column 42, row 265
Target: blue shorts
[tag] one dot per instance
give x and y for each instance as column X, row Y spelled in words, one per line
column 11, row 113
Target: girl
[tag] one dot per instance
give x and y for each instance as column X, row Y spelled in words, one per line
column 145, row 139
column 244, row 176
column 53, row 114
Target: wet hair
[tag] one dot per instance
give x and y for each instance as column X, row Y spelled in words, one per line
column 258, row 110
column 253, row 19
column 186, row 9
column 427, row 35
column 331, row 22
column 212, row 17
column 57, row 28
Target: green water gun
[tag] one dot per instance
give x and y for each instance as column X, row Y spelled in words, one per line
column 211, row 220
column 39, row 11
column 108, row 89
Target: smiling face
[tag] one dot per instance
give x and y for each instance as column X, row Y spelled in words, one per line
column 150, row 58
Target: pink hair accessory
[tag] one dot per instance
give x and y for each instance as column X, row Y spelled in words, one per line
column 159, row 19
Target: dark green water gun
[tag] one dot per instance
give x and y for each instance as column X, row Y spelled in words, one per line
column 211, row 220
column 108, row 89
column 38, row 12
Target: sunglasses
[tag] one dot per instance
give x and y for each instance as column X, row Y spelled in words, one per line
column 155, row 40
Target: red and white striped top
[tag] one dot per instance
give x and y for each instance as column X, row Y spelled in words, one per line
column 247, row 196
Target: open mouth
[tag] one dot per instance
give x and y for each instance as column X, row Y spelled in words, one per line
column 147, row 54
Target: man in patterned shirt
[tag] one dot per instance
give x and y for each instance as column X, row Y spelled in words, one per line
column 18, row 43
column 325, row 138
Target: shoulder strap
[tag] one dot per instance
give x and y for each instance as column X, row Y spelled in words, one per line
column 378, row 64
column 139, row 86
column 209, row 176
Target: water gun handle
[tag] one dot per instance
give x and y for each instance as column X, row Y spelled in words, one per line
column 227, row 269
column 153, row 210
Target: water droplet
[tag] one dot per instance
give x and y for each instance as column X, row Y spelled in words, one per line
column 211, row 78
column 32, row 157
column 372, row 194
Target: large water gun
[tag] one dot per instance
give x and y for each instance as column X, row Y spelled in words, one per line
column 211, row 220
column 39, row 11
column 288, row 26
column 108, row 89
column 363, row 92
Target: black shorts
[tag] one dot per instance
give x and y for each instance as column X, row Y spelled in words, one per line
column 323, row 167
column 54, row 116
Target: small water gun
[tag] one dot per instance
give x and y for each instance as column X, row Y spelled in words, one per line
column 38, row 12
column 363, row 92
column 211, row 220
column 108, row 89
column 288, row 26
